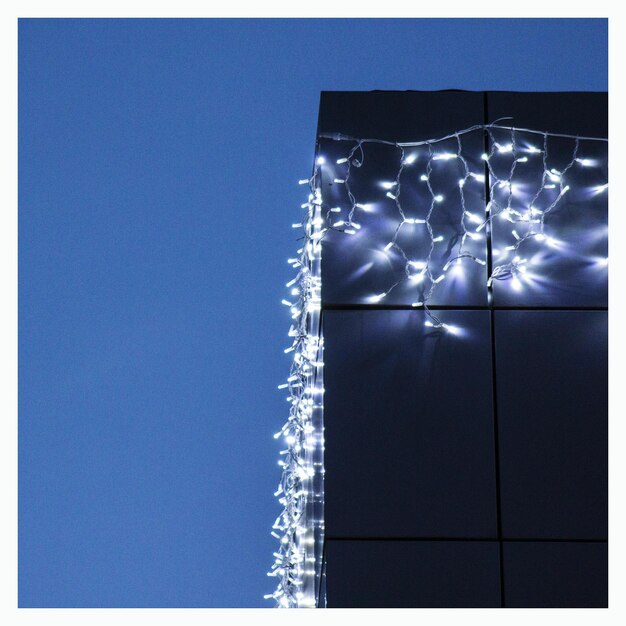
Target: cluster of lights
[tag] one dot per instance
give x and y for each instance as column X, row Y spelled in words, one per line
column 299, row 528
column 527, row 221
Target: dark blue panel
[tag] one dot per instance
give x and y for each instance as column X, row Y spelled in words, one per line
column 355, row 267
column 552, row 413
column 570, row 112
column 559, row 575
column 409, row 430
column 568, row 266
column 405, row 574
column 399, row 115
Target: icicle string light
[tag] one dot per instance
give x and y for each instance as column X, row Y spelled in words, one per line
column 299, row 528
column 472, row 226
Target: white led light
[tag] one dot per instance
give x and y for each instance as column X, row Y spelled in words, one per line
column 473, row 217
column 377, row 297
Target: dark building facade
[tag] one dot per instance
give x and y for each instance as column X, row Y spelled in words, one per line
column 466, row 468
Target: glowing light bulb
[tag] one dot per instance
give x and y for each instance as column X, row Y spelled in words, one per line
column 321, row 160
column 473, row 217
column 377, row 297
column 439, row 198
column 409, row 160
column 554, row 175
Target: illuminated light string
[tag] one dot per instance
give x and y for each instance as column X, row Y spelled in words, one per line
column 299, row 528
column 527, row 224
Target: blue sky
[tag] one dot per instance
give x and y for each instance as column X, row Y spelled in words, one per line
column 158, row 168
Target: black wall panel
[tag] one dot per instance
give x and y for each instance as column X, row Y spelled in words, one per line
column 409, row 430
column 555, row 574
column 552, row 409
column 572, row 273
column 405, row 574
column 467, row 469
column 351, row 271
